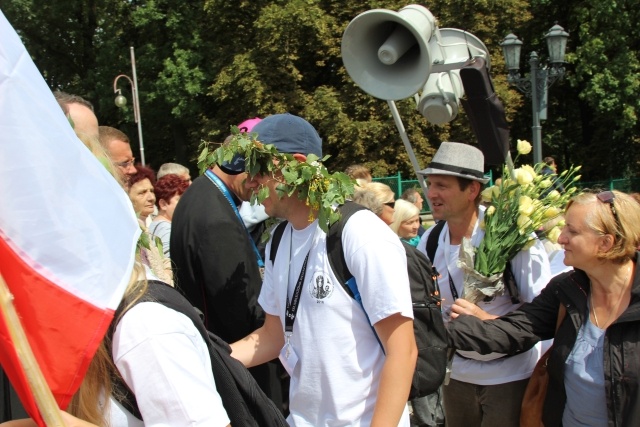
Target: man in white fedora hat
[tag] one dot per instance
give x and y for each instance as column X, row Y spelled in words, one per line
column 483, row 390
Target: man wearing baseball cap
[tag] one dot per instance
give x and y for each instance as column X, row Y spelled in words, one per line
column 483, row 390
column 340, row 373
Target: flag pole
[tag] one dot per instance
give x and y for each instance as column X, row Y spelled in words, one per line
column 44, row 398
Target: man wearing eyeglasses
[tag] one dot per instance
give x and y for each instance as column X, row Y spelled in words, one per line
column 118, row 147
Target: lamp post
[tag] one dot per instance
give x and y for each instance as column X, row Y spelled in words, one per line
column 121, row 101
column 540, row 79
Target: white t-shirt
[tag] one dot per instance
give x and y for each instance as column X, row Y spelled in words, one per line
column 165, row 362
column 340, row 359
column 531, row 271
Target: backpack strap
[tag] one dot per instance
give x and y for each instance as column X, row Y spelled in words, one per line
column 335, row 252
column 275, row 240
column 432, row 240
column 245, row 403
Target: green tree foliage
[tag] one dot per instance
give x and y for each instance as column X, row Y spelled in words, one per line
column 205, row 65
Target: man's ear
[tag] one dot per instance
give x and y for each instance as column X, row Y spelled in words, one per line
column 474, row 189
column 300, row 157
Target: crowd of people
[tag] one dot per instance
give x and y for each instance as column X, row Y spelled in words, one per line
column 321, row 357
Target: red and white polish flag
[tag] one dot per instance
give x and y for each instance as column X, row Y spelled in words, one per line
column 67, row 231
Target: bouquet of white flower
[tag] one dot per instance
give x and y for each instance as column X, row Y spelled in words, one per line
column 523, row 202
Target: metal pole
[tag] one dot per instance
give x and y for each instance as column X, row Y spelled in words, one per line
column 536, row 129
column 136, row 105
column 407, row 145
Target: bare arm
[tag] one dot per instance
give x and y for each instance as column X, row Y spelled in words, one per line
column 462, row 306
column 262, row 345
column 397, row 337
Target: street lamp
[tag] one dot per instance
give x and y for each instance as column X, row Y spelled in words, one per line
column 121, row 101
column 536, row 85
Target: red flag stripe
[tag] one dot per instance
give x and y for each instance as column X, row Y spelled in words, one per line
column 54, row 312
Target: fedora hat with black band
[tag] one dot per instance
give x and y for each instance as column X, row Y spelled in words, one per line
column 457, row 159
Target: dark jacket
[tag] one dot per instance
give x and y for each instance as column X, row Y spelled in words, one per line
column 214, row 262
column 520, row 330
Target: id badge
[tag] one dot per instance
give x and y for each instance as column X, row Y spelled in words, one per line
column 288, row 356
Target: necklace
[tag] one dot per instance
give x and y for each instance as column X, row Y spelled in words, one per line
column 615, row 309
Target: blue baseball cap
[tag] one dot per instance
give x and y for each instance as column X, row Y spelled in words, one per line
column 288, row 133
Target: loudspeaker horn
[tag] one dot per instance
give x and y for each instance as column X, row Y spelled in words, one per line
column 386, row 53
column 439, row 101
column 440, row 98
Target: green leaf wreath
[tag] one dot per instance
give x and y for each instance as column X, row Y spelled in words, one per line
column 310, row 180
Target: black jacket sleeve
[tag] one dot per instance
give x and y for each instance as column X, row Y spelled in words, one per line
column 512, row 333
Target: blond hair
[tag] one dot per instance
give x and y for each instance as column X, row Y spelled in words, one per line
column 602, row 220
column 374, row 195
column 98, row 382
column 403, row 210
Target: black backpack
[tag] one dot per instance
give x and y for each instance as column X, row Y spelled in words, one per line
column 245, row 403
column 428, row 325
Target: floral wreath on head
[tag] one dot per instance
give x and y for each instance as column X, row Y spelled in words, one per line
column 309, row 179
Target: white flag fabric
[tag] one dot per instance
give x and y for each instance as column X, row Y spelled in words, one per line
column 68, row 232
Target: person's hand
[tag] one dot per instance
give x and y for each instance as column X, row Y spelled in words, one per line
column 462, row 306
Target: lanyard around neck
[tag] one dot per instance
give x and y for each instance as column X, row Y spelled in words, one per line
column 225, row 192
column 292, row 306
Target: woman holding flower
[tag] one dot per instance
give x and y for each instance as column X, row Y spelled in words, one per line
column 594, row 368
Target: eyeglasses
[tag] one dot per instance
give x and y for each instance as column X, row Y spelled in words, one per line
column 608, row 197
column 126, row 164
column 390, row 204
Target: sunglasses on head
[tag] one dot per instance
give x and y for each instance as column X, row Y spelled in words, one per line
column 608, row 197
column 390, row 204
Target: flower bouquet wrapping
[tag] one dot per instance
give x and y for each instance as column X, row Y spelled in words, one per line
column 519, row 206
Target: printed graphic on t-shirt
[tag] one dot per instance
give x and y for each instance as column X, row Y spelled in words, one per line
column 320, row 287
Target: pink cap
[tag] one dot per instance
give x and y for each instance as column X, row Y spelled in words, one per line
column 248, row 124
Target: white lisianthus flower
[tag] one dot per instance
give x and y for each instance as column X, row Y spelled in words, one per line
column 523, row 222
column 525, row 205
column 545, row 183
column 486, row 194
column 523, row 176
column 523, row 146
column 490, row 210
column 551, row 212
column 530, row 169
column 496, row 191
column 554, row 195
column 553, row 234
